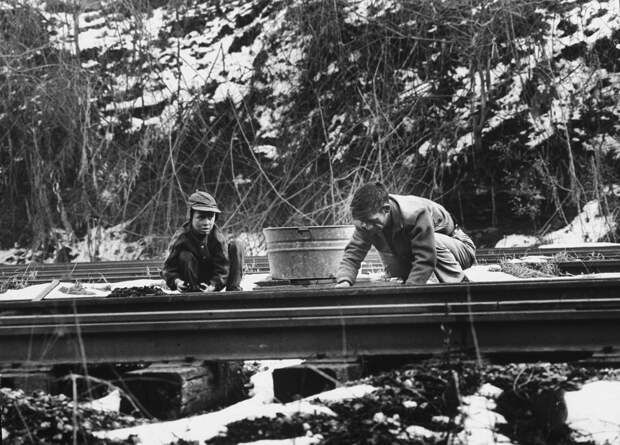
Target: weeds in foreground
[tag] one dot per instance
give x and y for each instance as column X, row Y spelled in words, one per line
column 16, row 281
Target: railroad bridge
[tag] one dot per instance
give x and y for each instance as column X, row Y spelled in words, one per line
column 571, row 316
column 314, row 319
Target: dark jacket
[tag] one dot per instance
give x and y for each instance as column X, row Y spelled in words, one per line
column 409, row 236
column 211, row 256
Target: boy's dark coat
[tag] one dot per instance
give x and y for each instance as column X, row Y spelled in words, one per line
column 212, row 256
column 411, row 235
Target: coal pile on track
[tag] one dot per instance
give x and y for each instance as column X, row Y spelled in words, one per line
column 143, row 291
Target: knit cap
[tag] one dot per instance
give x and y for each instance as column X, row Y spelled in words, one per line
column 202, row 201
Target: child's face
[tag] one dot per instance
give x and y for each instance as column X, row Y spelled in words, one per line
column 202, row 222
column 374, row 222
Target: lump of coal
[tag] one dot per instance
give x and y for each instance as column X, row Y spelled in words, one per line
column 143, row 291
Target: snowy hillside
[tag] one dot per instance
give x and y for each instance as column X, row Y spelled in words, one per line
column 214, row 51
column 507, row 113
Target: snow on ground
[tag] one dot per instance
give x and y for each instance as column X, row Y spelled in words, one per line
column 593, row 414
column 588, row 226
column 205, row 426
column 212, row 53
column 479, row 420
column 487, row 272
column 109, row 402
column 493, row 273
column 303, row 440
column 517, row 240
column 99, row 244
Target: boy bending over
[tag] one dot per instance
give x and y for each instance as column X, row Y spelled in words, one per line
column 415, row 237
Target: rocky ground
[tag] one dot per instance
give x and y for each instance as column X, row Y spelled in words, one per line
column 415, row 404
column 432, row 397
column 42, row 418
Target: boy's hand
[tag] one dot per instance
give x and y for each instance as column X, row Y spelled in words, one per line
column 343, row 284
column 180, row 284
column 207, row 287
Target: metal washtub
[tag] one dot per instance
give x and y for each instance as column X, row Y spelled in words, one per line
column 306, row 252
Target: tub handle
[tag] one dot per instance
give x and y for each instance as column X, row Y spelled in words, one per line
column 304, row 232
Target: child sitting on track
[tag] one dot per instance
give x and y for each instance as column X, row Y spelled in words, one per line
column 199, row 257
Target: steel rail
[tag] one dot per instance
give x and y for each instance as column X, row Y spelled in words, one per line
column 153, row 268
column 540, row 315
column 147, row 266
column 108, row 274
column 337, row 335
column 299, row 296
column 570, row 258
column 292, row 320
column 260, row 263
column 529, row 306
column 589, row 266
column 527, row 250
column 568, row 268
column 256, row 262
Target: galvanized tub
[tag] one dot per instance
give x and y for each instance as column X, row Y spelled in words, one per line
column 306, row 252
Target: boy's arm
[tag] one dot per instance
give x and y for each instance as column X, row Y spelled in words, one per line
column 354, row 253
column 170, row 272
column 422, row 241
column 221, row 262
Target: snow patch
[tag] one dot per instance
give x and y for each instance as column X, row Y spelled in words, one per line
column 588, row 226
column 269, row 151
column 107, row 244
column 206, row 426
column 594, row 412
column 517, row 241
column 110, row 402
column 302, row 440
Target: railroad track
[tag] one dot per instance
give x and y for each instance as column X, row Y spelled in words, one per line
column 575, row 315
column 584, row 253
column 574, row 261
column 114, row 271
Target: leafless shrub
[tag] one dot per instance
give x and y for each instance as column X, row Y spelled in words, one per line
column 376, row 99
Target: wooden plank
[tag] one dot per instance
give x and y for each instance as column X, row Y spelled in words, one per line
column 46, row 290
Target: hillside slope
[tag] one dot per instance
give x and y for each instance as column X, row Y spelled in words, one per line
column 506, row 112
